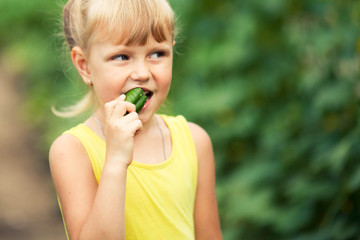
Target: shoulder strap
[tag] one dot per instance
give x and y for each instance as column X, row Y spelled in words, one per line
column 94, row 146
column 184, row 140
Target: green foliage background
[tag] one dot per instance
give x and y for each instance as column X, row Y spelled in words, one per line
column 276, row 85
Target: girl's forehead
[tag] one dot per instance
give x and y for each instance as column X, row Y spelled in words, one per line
column 108, row 45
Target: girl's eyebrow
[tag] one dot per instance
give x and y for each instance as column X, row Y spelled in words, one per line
column 125, row 49
column 109, row 53
column 149, row 48
column 117, row 48
column 163, row 46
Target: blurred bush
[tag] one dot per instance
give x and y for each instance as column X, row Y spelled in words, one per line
column 276, row 85
column 31, row 47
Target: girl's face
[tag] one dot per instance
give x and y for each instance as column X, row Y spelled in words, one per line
column 114, row 69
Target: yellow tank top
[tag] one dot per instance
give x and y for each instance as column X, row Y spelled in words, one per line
column 160, row 198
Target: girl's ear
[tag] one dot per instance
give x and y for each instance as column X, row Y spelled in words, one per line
column 80, row 62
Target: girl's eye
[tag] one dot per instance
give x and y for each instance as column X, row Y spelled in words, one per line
column 120, row 57
column 158, row 54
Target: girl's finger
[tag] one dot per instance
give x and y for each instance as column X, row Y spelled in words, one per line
column 121, row 97
column 122, row 108
column 110, row 106
column 136, row 126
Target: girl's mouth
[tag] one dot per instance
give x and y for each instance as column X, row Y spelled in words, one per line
column 148, row 95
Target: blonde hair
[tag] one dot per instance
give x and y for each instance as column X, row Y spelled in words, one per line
column 125, row 21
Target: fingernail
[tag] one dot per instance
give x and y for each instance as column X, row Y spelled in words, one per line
column 122, row 97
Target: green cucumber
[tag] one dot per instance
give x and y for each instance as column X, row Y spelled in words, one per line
column 140, row 104
column 137, row 97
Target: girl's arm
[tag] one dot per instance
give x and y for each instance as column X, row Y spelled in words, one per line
column 206, row 217
column 90, row 211
column 94, row 211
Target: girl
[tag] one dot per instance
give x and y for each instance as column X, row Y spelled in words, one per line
column 143, row 176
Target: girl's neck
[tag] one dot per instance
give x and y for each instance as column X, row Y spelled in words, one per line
column 153, row 129
column 99, row 127
column 149, row 126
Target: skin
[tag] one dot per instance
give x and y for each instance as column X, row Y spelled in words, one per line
column 94, row 211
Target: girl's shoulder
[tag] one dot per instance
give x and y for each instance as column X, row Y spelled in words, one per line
column 201, row 138
column 70, row 142
column 197, row 130
column 67, row 152
column 63, row 144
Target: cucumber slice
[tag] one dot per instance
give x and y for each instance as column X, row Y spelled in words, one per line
column 134, row 95
column 140, row 104
column 137, row 97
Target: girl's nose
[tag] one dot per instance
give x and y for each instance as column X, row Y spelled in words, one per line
column 141, row 72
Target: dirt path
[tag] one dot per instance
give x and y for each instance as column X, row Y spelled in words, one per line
column 28, row 208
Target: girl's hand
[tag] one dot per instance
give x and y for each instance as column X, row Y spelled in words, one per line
column 120, row 131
